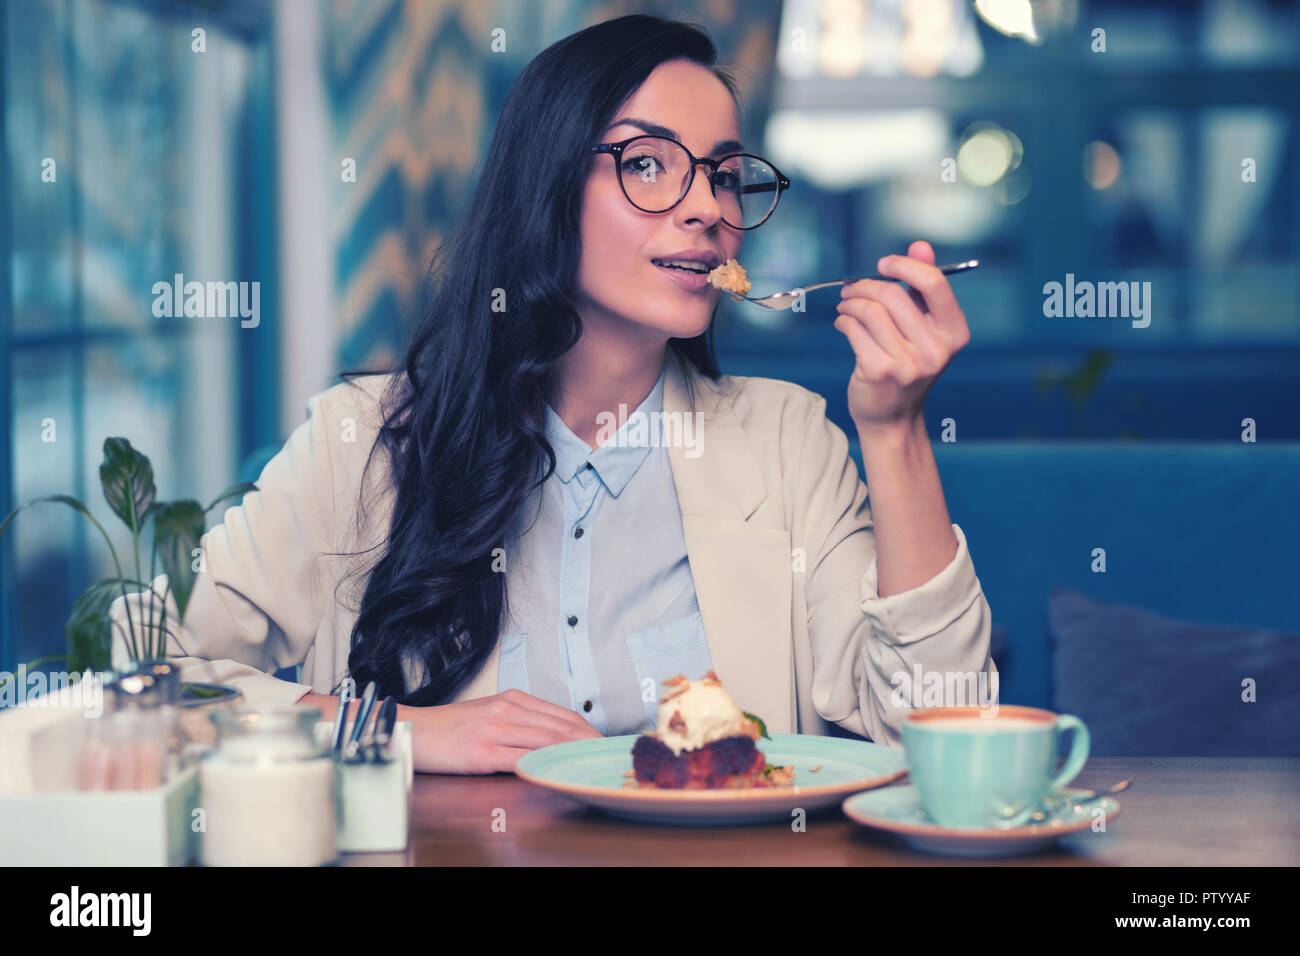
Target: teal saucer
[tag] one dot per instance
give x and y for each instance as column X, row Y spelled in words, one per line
column 898, row 810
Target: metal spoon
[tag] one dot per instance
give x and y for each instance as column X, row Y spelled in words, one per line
column 1077, row 802
column 783, row 300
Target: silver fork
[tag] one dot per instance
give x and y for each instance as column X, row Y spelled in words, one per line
column 783, row 300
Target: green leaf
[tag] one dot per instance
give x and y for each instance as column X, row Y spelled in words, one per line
column 762, row 727
column 60, row 499
column 1082, row 384
column 89, row 628
column 127, row 478
column 76, row 506
column 48, row 659
column 234, row 491
column 177, row 528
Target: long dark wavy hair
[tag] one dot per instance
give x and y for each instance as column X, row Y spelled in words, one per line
column 464, row 426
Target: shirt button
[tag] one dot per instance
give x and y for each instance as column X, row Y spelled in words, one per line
column 587, row 706
column 577, row 533
column 573, row 620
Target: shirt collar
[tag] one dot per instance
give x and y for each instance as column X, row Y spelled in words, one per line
column 616, row 461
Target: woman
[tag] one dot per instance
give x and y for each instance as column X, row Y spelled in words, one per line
column 469, row 534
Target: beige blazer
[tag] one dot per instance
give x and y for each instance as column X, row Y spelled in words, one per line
column 778, row 533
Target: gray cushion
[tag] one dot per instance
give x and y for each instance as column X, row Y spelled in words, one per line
column 1146, row 684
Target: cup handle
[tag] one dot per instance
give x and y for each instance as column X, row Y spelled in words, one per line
column 1073, row 764
column 1078, row 750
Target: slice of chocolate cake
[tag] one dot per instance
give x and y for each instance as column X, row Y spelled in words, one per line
column 703, row 741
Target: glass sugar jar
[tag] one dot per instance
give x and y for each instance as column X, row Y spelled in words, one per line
column 269, row 790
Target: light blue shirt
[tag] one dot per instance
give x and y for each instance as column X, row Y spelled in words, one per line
column 602, row 605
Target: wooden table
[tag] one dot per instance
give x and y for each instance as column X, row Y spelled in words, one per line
column 1179, row 811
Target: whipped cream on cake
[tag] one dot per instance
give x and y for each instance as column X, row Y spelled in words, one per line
column 702, row 740
column 697, row 712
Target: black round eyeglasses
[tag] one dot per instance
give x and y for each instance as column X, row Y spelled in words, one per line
column 656, row 173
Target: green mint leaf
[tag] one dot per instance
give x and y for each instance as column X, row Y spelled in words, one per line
column 762, row 727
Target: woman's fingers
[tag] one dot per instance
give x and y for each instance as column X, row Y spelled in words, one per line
column 872, row 359
column 905, row 332
column 507, row 758
column 900, row 356
column 528, row 728
column 476, row 736
column 561, row 715
column 933, row 287
column 530, row 736
column 931, row 338
column 920, row 249
column 525, row 699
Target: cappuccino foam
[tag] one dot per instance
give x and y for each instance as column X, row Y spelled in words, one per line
column 984, row 724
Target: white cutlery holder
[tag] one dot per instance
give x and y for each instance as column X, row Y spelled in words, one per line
column 376, row 797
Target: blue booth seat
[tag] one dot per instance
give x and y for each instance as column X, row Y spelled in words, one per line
column 1205, row 533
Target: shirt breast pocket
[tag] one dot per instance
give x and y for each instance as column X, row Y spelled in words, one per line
column 663, row 652
column 512, row 667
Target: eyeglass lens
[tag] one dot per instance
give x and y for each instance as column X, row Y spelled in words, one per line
column 655, row 172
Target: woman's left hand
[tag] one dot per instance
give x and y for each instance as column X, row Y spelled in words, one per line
column 903, row 338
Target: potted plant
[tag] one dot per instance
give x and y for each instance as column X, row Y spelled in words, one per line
column 127, row 479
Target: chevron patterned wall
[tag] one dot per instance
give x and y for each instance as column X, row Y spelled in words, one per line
column 413, row 91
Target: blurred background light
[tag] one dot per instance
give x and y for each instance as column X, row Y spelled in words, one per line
column 927, row 36
column 1244, row 32
column 987, row 152
column 846, row 149
column 844, row 39
column 1015, row 18
column 1013, row 187
column 841, row 50
column 1100, row 164
column 1032, row 20
column 984, row 157
column 922, row 206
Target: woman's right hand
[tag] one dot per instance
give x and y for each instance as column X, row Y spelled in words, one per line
column 489, row 734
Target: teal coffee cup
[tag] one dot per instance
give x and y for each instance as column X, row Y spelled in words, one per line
column 977, row 767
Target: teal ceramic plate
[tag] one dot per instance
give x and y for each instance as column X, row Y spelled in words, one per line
column 898, row 810
column 592, row 771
